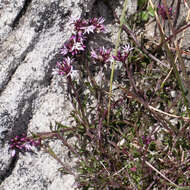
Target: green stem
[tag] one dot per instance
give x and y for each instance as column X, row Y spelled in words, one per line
column 78, row 101
column 122, row 18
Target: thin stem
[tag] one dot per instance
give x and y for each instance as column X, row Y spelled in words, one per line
column 128, row 31
column 172, row 183
column 116, row 49
column 78, row 100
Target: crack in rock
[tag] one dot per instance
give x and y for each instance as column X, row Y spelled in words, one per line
column 27, row 58
column 20, row 14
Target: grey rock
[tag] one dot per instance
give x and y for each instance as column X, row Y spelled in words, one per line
column 29, row 42
column 9, row 14
column 31, row 35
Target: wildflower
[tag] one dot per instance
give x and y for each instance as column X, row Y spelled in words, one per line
column 163, row 13
column 64, row 50
column 81, row 27
column 89, row 29
column 77, row 46
column 87, row 26
column 127, row 49
column 122, row 55
column 64, row 68
column 98, row 24
column 22, row 144
column 74, row 45
column 102, row 55
column 79, row 24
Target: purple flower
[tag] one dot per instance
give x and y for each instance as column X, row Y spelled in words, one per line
column 102, row 55
column 94, row 54
column 64, row 50
column 79, row 24
column 28, row 147
column 74, row 45
column 22, row 144
column 77, row 46
column 98, row 24
column 122, row 55
column 163, row 13
column 87, row 26
column 65, row 68
column 88, row 29
column 127, row 49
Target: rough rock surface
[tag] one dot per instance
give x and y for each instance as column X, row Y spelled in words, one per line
column 31, row 34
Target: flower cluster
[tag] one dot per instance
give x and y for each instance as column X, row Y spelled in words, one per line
column 76, row 44
column 23, row 144
column 64, row 68
column 102, row 55
column 163, row 13
column 122, row 55
column 86, row 26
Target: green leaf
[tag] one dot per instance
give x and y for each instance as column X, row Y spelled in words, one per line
column 151, row 11
column 144, row 15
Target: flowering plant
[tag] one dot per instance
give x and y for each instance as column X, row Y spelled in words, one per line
column 23, row 144
column 125, row 136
